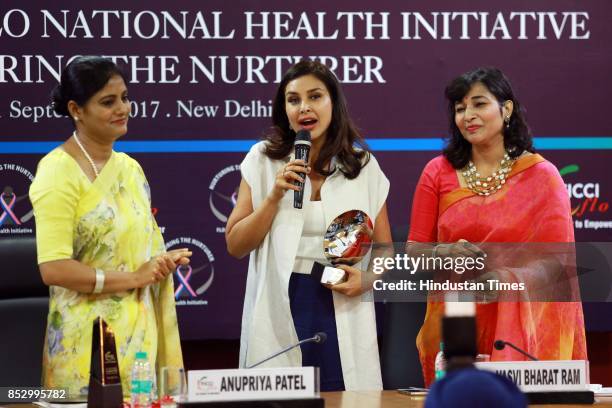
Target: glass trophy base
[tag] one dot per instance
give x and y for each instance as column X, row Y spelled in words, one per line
column 328, row 275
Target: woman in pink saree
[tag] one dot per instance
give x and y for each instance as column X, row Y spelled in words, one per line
column 490, row 186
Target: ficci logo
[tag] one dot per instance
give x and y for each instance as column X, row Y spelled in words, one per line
column 588, row 194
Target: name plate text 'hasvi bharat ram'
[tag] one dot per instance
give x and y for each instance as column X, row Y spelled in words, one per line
column 549, row 375
column 253, row 384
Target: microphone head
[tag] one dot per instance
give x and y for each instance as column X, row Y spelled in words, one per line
column 302, row 135
column 320, row 337
column 499, row 344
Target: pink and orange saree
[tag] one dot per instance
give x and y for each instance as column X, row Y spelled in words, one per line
column 532, row 207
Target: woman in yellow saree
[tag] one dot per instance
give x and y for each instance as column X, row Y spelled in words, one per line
column 490, row 187
column 99, row 247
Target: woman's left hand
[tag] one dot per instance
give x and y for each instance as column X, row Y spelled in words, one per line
column 164, row 267
column 180, row 256
column 353, row 286
column 168, row 262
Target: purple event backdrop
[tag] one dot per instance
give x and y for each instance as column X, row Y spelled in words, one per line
column 394, row 81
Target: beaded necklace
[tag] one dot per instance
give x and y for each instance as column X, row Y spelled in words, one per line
column 485, row 186
column 93, row 165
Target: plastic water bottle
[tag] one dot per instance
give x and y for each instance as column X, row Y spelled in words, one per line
column 440, row 363
column 142, row 381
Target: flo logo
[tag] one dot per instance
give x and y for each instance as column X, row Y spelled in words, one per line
column 224, row 193
column 586, row 199
column 15, row 208
column 207, row 386
column 193, row 280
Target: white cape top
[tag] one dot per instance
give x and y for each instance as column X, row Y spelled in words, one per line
column 267, row 325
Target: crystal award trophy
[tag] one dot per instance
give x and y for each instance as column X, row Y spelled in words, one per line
column 347, row 239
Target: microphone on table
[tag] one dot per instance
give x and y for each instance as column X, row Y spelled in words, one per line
column 501, row 344
column 318, row 338
column 302, row 151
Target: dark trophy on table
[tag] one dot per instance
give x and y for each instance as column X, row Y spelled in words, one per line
column 104, row 381
column 347, row 239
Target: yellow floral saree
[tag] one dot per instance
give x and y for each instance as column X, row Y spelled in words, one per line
column 104, row 224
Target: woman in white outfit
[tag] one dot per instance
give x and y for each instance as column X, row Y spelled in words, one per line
column 283, row 303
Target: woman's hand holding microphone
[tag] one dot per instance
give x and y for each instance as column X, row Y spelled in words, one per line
column 286, row 177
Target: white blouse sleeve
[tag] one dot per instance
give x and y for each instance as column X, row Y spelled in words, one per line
column 378, row 184
column 248, row 167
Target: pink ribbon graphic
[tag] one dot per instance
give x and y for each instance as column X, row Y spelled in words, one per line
column 184, row 281
column 7, row 209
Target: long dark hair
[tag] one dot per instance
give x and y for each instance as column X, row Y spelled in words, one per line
column 517, row 136
column 341, row 136
column 81, row 79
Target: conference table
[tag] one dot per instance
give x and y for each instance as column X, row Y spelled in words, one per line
column 393, row 399
column 376, row 399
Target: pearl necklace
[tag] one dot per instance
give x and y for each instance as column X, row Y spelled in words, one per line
column 485, row 186
column 93, row 165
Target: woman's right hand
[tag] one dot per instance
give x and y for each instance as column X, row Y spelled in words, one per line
column 152, row 271
column 285, row 178
column 461, row 248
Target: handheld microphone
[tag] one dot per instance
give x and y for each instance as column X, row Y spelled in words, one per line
column 501, row 344
column 302, row 151
column 318, row 338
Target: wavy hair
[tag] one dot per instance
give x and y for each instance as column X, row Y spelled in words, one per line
column 342, row 135
column 517, row 136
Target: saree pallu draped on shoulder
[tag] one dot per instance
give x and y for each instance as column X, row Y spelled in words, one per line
column 110, row 226
column 532, row 207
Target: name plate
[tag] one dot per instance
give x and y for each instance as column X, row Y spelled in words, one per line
column 548, row 375
column 253, row 384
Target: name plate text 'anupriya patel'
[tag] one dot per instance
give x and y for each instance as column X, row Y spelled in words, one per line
column 253, row 384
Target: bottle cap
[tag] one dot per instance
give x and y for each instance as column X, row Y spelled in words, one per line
column 141, row 355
